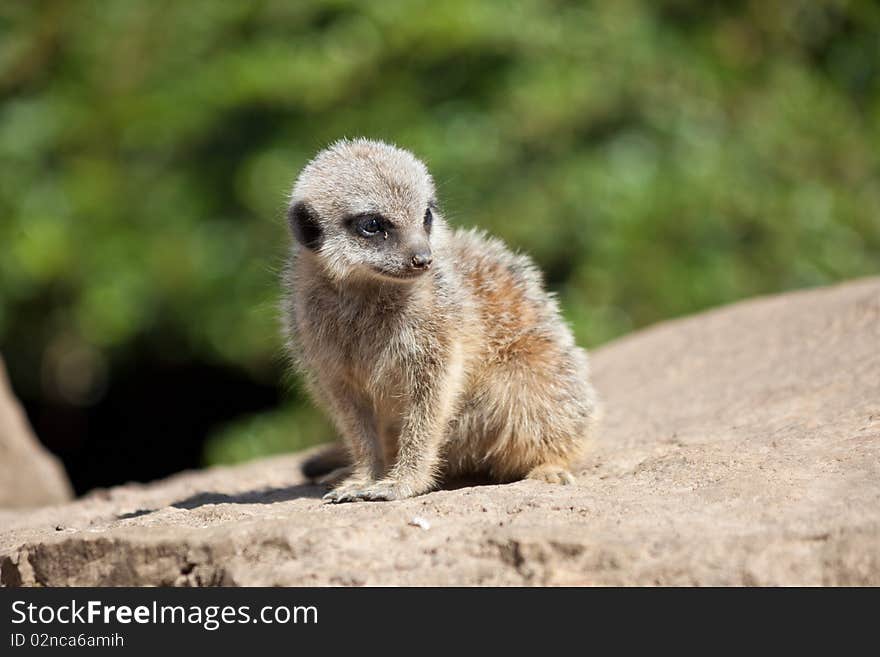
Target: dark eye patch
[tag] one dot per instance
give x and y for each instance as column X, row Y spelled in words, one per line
column 429, row 214
column 305, row 225
column 369, row 225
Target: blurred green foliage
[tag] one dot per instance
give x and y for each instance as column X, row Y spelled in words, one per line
column 655, row 157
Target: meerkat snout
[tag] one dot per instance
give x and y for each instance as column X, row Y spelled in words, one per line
column 422, row 260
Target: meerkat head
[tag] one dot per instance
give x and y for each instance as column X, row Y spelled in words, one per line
column 365, row 208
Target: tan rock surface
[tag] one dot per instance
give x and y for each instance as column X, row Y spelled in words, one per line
column 29, row 475
column 740, row 446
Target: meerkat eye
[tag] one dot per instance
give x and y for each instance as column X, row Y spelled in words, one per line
column 369, row 226
column 429, row 218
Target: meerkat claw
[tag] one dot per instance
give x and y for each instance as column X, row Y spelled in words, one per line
column 337, row 497
column 552, row 474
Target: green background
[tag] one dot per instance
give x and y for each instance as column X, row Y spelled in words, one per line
column 656, row 159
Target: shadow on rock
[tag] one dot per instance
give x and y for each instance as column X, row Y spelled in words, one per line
column 273, row 495
column 261, row 496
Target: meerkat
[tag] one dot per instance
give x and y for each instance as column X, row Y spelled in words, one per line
column 436, row 351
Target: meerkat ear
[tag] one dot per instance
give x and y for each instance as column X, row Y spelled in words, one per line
column 304, row 225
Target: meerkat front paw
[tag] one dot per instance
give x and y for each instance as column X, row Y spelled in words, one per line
column 386, row 490
column 340, row 494
column 346, row 491
column 551, row 474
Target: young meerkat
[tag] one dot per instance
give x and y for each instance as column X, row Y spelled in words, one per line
column 435, row 351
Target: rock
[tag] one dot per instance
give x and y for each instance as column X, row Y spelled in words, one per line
column 29, row 474
column 740, row 446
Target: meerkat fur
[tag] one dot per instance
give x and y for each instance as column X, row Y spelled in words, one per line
column 436, row 351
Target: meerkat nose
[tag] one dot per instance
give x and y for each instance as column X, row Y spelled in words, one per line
column 422, row 260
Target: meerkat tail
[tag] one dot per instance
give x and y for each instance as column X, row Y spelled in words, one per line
column 329, row 458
